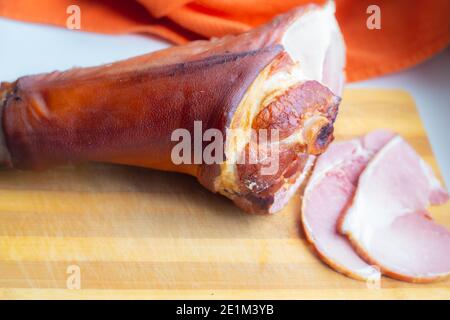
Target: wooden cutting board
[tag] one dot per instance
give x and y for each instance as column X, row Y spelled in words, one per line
column 136, row 233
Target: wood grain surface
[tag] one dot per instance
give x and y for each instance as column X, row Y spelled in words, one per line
column 137, row 233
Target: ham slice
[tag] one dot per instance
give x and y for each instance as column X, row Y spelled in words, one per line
column 387, row 222
column 331, row 188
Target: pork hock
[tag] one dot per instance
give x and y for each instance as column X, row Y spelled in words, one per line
column 286, row 75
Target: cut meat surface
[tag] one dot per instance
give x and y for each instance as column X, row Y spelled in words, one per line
column 387, row 222
column 331, row 188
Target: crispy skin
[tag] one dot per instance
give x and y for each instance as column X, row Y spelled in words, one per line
column 126, row 117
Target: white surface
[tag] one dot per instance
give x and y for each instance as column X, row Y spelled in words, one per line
column 29, row 48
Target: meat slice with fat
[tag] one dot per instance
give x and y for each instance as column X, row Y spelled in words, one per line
column 330, row 189
column 387, row 222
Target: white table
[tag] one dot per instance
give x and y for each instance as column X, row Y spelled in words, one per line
column 30, row 48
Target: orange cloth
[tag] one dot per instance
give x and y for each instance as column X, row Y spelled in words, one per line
column 411, row 30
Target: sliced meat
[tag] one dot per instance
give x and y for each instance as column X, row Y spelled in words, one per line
column 331, row 188
column 387, row 222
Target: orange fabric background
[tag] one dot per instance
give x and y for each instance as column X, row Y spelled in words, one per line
column 411, row 30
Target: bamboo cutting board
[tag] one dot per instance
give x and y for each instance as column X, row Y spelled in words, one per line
column 128, row 232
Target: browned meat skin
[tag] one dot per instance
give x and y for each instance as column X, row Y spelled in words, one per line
column 87, row 115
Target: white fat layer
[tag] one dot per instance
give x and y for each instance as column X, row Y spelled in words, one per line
column 277, row 83
column 315, row 28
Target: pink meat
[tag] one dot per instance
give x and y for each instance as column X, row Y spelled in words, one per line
column 329, row 191
column 387, row 222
